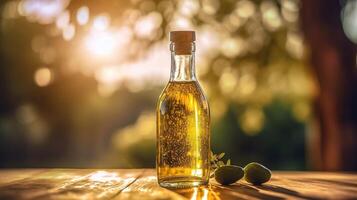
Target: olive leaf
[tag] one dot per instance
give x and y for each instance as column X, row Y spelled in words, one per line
column 228, row 162
column 221, row 155
column 216, row 161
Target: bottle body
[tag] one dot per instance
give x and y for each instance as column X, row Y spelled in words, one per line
column 183, row 126
column 183, row 136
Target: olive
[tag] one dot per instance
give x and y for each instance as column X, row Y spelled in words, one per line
column 256, row 173
column 228, row 174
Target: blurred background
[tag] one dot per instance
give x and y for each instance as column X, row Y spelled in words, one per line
column 79, row 80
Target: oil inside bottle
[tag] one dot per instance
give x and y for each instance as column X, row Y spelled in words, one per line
column 183, row 135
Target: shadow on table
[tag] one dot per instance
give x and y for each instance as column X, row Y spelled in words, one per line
column 342, row 183
column 239, row 191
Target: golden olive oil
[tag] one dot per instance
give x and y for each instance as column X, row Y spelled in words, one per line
column 183, row 135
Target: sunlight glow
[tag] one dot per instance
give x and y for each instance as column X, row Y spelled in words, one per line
column 180, row 22
column 63, row 20
column 103, row 176
column 82, row 15
column 245, row 8
column 252, row 121
column 271, row 17
column 101, row 22
column 68, row 32
column 108, row 75
column 232, row 47
column 44, row 12
column 146, row 25
column 228, row 82
column 101, row 43
column 189, row 7
column 43, row 77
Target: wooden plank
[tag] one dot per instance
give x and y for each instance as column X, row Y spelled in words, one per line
column 294, row 185
column 146, row 187
column 142, row 184
column 10, row 175
column 313, row 185
column 70, row 184
column 282, row 186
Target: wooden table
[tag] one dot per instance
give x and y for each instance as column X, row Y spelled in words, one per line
column 142, row 184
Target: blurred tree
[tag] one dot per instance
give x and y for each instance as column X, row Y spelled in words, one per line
column 333, row 58
column 91, row 70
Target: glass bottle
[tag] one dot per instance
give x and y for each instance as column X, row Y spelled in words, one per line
column 183, row 120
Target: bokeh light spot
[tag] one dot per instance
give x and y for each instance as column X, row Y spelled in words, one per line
column 69, row 32
column 101, row 22
column 43, row 76
column 252, row 121
column 82, row 15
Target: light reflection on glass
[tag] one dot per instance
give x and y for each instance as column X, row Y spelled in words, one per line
column 194, row 194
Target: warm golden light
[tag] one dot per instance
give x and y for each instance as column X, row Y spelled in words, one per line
column 252, row 121
column 43, row 77
column 63, row 20
column 232, row 47
column 101, row 22
column 271, row 17
column 44, row 12
column 228, row 82
column 103, row 176
column 245, row 8
column 83, row 15
column 101, row 43
column 146, row 25
column 68, row 32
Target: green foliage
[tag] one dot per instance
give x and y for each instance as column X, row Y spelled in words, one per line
column 252, row 68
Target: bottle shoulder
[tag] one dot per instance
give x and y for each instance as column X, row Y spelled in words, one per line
column 183, row 88
column 179, row 93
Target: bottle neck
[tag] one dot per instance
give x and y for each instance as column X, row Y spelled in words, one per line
column 182, row 62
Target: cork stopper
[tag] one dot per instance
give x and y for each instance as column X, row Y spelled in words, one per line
column 182, row 42
column 182, row 36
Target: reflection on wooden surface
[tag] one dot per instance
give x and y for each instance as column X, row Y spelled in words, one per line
column 142, row 184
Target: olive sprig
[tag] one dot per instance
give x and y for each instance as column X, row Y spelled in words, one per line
column 216, row 162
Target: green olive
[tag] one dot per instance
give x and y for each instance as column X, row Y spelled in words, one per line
column 228, row 174
column 256, row 173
